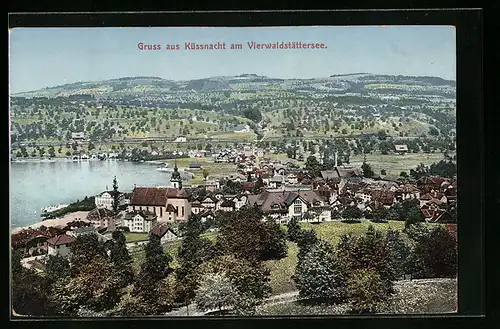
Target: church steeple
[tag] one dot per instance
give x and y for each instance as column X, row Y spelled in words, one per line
column 176, row 179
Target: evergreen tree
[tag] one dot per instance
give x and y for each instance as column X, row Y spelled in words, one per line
column 293, row 229
column 192, row 253
column 318, row 276
column 399, row 253
column 121, row 258
column 154, row 269
column 367, row 252
column 116, row 196
column 367, row 170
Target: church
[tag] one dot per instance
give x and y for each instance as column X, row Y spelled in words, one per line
column 167, row 203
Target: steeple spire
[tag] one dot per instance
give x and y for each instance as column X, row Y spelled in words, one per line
column 176, row 179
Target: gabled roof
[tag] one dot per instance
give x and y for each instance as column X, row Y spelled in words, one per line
column 155, row 196
column 161, row 229
column 60, row 240
column 99, row 214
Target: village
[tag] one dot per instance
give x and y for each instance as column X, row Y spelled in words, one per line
column 280, row 189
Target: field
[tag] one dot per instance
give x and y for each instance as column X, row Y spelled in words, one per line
column 394, row 163
column 133, row 237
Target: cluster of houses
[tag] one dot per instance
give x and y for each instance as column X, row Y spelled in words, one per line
column 286, row 193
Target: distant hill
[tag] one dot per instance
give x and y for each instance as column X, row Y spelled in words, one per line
column 145, row 85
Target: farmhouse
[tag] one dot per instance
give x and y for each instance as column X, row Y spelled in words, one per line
column 60, row 245
column 401, row 149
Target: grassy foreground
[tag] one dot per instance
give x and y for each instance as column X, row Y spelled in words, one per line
column 283, row 269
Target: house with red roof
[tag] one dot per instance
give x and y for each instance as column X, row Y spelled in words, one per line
column 164, row 232
column 60, row 245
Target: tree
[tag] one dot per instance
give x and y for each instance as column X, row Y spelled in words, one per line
column 318, row 276
column 192, row 253
column 120, row 257
column 403, row 174
column 293, row 229
column 383, row 172
column 366, row 292
column 382, row 135
column 84, row 250
column 95, row 286
column 436, row 253
column 57, row 267
column 154, row 269
column 205, row 174
column 380, row 213
column 253, row 114
column 29, row 290
column 116, row 196
column 245, row 235
column 399, row 252
column 352, row 212
column 367, row 252
column 216, row 292
column 313, row 166
column 250, row 277
column 367, row 170
column 433, row 131
column 259, row 184
column 414, row 215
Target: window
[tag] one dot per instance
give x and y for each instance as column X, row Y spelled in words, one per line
column 297, row 206
column 182, row 211
column 161, row 211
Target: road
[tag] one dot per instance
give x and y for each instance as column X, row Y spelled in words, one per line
column 191, row 310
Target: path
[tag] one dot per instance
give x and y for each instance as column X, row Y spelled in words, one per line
column 273, row 300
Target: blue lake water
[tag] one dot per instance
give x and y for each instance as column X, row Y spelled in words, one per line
column 34, row 186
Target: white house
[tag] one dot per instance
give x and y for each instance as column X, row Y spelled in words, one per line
column 105, row 200
column 139, row 221
column 292, row 179
column 60, row 245
column 276, row 181
column 180, row 139
column 242, row 129
column 239, row 201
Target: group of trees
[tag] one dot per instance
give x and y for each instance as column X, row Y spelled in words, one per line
column 362, row 269
column 99, row 278
column 92, row 280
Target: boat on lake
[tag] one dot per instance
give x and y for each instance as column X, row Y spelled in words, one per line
column 49, row 209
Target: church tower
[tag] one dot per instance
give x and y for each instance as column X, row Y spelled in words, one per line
column 176, row 179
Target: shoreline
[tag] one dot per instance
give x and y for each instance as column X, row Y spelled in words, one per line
column 56, row 222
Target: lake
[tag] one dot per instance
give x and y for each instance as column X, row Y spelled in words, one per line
column 36, row 185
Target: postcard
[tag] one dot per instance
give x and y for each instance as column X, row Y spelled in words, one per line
column 233, row 171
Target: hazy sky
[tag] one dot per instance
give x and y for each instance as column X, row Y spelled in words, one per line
column 44, row 57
